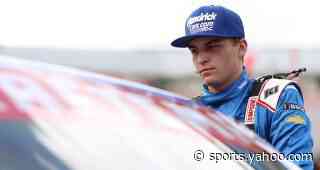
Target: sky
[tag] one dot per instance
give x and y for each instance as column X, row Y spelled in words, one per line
column 118, row 24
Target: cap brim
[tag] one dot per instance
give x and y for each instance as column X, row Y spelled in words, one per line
column 184, row 41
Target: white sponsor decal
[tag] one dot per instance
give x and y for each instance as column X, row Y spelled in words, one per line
column 201, row 23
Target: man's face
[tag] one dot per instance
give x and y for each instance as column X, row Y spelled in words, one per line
column 218, row 60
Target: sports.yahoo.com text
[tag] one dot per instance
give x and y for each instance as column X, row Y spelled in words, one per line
column 200, row 155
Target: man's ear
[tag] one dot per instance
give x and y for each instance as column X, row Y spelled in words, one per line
column 243, row 48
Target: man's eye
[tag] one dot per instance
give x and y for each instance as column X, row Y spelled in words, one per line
column 214, row 45
column 193, row 51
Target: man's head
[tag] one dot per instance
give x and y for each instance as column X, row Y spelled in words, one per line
column 215, row 37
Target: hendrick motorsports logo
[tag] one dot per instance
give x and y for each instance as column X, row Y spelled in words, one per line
column 201, row 23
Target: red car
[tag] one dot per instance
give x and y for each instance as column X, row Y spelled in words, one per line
column 53, row 117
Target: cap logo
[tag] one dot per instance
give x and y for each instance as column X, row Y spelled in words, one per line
column 201, row 23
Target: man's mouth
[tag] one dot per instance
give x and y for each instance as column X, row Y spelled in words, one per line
column 203, row 71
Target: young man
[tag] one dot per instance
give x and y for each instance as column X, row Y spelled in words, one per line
column 274, row 108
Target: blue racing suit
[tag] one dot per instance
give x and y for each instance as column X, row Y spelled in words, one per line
column 287, row 128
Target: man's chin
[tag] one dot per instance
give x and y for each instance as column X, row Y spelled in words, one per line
column 213, row 83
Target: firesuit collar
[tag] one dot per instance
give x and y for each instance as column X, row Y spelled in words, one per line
column 230, row 92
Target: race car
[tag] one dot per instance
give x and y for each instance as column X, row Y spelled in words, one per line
column 57, row 117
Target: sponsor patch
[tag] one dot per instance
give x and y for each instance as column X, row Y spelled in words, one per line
column 295, row 119
column 251, row 110
column 292, row 106
column 271, row 91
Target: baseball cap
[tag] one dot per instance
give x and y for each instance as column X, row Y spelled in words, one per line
column 211, row 21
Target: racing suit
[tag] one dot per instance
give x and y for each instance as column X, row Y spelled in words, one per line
column 287, row 127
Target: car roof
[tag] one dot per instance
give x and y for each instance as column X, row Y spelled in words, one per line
column 99, row 122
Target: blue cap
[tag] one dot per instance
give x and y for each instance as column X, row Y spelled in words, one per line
column 211, row 21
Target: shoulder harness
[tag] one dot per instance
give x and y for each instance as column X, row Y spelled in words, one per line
column 266, row 92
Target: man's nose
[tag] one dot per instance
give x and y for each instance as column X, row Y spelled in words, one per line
column 203, row 58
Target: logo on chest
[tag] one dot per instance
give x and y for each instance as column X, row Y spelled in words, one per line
column 250, row 110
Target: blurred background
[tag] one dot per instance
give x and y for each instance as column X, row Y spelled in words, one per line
column 130, row 39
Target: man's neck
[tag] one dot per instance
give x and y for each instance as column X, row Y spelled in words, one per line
column 215, row 89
